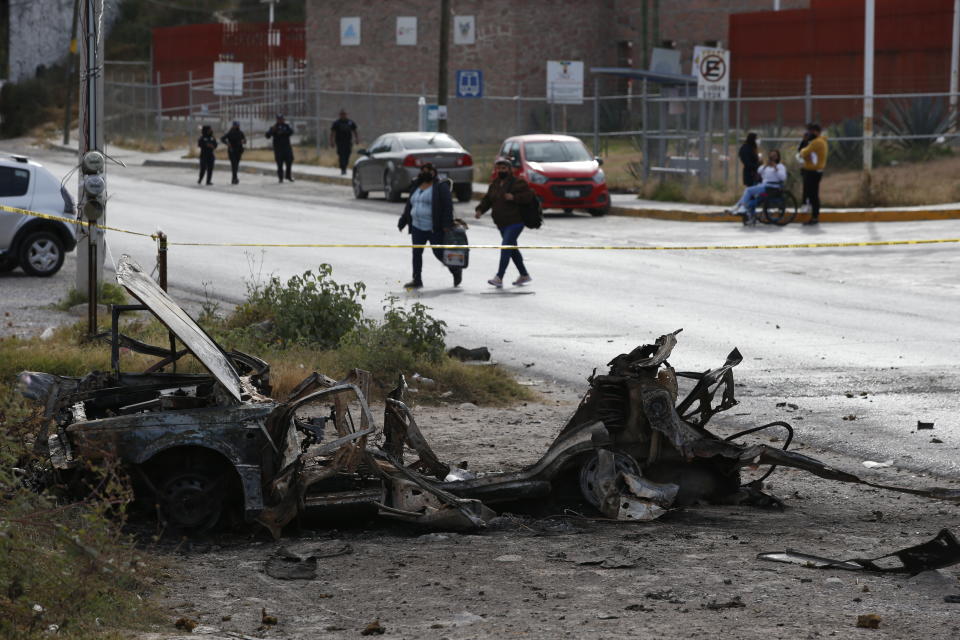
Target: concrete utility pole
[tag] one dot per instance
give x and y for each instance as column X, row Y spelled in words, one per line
column 444, row 61
column 955, row 65
column 92, row 198
column 869, row 19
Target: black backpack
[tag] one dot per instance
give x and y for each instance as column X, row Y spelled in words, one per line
column 532, row 214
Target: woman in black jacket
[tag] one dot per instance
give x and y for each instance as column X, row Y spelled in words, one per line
column 428, row 213
column 750, row 159
column 207, row 144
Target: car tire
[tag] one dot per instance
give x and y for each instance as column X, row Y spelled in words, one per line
column 358, row 191
column 599, row 212
column 41, row 254
column 389, row 193
column 464, row 192
column 190, row 501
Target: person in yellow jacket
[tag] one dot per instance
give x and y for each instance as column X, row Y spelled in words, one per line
column 813, row 155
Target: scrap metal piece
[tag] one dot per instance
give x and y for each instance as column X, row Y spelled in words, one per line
column 142, row 287
column 942, row 551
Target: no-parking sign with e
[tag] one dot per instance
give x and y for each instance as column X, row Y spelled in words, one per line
column 712, row 68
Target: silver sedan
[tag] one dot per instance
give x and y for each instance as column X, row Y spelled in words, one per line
column 393, row 161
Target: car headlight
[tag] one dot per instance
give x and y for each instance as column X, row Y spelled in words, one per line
column 537, row 178
column 598, row 177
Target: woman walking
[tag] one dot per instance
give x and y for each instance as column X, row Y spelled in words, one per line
column 428, row 213
column 506, row 195
column 207, row 143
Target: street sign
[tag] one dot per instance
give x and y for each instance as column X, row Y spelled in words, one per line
column 228, row 78
column 469, row 83
column 565, row 81
column 712, row 69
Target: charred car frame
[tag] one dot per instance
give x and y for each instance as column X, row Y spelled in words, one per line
column 194, row 444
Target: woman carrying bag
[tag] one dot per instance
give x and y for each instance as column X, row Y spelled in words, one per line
column 429, row 214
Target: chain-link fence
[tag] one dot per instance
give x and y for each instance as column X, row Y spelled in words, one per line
column 662, row 130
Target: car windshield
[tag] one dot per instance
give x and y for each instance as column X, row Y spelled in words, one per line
column 556, row 151
column 435, row 141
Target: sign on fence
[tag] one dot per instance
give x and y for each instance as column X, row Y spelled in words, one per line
column 712, row 69
column 228, row 78
column 469, row 83
column 565, row 81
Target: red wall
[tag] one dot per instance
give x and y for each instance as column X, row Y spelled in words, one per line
column 177, row 51
column 772, row 52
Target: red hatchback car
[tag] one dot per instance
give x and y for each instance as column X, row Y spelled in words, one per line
column 561, row 171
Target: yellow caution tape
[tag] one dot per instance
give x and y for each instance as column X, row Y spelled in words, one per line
column 77, row 221
column 561, row 247
column 566, row 247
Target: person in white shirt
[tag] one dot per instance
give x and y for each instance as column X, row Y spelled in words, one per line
column 773, row 174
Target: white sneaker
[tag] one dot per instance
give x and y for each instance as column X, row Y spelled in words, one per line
column 522, row 280
column 496, row 281
column 804, row 208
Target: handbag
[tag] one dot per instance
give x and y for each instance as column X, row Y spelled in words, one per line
column 458, row 236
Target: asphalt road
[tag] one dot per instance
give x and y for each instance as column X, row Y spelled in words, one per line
column 813, row 324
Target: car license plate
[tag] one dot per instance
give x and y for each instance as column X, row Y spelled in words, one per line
column 571, row 193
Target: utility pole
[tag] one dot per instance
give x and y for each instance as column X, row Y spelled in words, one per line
column 71, row 72
column 93, row 188
column 955, row 66
column 444, row 61
column 869, row 18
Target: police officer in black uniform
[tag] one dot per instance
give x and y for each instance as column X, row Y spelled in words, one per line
column 280, row 132
column 207, row 144
column 343, row 132
column 235, row 141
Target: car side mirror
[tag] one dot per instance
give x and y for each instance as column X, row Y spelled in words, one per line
column 363, row 152
column 598, row 159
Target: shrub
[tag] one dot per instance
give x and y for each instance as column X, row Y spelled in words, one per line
column 404, row 338
column 916, row 116
column 28, row 104
column 109, row 293
column 308, row 309
column 68, row 569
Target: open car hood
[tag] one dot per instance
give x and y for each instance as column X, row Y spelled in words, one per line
column 142, row 287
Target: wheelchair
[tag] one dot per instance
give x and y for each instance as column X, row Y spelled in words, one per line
column 777, row 206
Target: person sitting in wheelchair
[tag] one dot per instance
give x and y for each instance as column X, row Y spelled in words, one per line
column 773, row 175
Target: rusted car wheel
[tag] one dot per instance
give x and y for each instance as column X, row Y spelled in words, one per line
column 589, row 478
column 190, row 501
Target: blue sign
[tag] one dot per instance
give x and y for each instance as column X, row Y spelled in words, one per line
column 469, row 83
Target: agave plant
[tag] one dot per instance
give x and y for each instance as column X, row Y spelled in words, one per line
column 916, row 116
column 846, row 153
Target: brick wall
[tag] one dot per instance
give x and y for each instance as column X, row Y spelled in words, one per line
column 513, row 42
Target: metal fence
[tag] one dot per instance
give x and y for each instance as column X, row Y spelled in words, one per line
column 664, row 131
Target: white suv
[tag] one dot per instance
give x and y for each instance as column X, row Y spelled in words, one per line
column 37, row 245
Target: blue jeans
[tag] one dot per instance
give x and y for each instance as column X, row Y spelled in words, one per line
column 419, row 236
column 751, row 195
column 509, row 235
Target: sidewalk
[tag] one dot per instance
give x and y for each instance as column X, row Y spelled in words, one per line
column 622, row 204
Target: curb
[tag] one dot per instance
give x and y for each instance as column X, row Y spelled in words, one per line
column 826, row 215
column 910, row 214
column 297, row 175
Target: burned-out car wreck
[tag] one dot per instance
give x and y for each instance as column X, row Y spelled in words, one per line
column 196, row 444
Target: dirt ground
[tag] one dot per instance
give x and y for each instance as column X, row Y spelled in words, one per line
column 693, row 573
